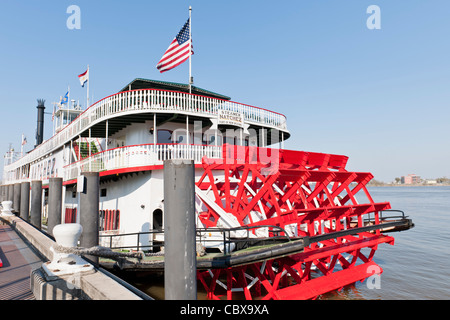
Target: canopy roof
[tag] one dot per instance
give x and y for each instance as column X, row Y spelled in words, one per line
column 139, row 83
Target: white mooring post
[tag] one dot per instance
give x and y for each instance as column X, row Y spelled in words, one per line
column 7, row 208
column 62, row 264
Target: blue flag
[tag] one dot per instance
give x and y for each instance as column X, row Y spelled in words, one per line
column 65, row 99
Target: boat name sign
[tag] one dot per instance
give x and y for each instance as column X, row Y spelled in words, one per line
column 233, row 118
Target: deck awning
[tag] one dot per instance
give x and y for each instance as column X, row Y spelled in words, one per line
column 139, row 83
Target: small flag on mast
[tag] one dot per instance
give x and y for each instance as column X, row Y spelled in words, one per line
column 65, row 99
column 179, row 50
column 84, row 77
column 24, row 140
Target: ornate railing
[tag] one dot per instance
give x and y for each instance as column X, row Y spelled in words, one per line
column 153, row 101
column 140, row 156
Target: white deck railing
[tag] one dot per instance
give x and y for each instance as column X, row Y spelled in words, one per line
column 151, row 100
column 139, row 156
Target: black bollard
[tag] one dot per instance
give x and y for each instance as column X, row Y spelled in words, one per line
column 89, row 217
column 180, row 261
column 25, row 201
column 16, row 202
column 54, row 203
column 36, row 203
column 11, row 193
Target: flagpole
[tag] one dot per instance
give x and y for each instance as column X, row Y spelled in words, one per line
column 190, row 54
column 190, row 75
column 53, row 117
column 68, row 103
column 88, row 89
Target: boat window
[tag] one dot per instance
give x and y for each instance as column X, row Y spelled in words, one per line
column 180, row 139
column 210, row 139
column 164, row 136
column 109, row 220
column 205, row 139
column 229, row 140
column 70, row 215
column 179, row 136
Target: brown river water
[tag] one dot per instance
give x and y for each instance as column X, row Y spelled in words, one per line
column 417, row 266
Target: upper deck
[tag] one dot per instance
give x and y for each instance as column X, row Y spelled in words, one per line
column 137, row 105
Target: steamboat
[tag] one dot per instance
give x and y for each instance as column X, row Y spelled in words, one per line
column 272, row 223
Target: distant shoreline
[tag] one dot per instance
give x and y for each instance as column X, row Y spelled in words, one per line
column 378, row 184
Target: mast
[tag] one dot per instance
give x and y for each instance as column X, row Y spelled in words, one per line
column 68, row 105
column 21, row 146
column 190, row 54
column 190, row 74
column 87, row 106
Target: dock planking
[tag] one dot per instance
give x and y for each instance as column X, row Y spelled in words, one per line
column 18, row 261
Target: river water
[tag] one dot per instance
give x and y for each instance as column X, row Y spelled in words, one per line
column 417, row 266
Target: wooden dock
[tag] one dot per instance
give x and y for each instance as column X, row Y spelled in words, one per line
column 22, row 276
column 18, row 259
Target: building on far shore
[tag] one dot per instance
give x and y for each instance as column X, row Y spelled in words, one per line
column 410, row 179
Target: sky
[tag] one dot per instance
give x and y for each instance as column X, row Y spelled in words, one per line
column 379, row 96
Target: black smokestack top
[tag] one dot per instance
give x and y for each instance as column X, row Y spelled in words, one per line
column 40, row 122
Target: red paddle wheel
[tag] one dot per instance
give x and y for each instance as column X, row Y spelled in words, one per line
column 312, row 197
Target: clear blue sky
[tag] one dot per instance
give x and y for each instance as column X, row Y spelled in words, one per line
column 380, row 97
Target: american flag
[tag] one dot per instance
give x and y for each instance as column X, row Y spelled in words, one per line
column 178, row 52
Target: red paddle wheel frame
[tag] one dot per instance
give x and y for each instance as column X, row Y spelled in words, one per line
column 309, row 195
